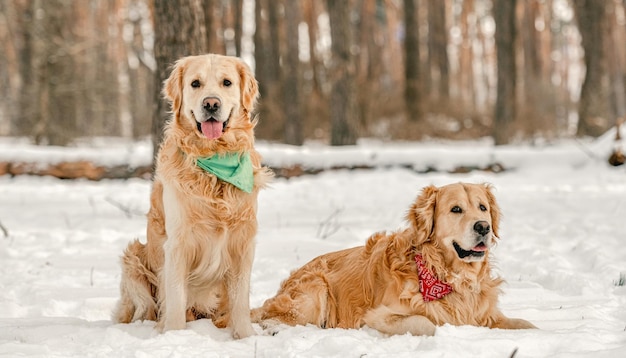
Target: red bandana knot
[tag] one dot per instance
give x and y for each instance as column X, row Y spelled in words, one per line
column 430, row 286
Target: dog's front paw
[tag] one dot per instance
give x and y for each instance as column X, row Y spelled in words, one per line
column 243, row 332
column 512, row 323
column 165, row 325
column 271, row 327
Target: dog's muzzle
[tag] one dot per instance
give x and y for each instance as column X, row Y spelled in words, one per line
column 482, row 229
column 477, row 251
column 210, row 124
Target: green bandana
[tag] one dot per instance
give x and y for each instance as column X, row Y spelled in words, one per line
column 232, row 168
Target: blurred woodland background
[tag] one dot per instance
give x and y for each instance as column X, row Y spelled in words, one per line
column 329, row 70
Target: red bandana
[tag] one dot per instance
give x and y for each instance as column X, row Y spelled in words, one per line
column 430, row 286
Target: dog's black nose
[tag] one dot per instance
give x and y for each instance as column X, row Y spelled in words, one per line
column 482, row 227
column 211, row 104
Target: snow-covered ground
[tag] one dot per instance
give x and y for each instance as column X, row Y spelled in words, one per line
column 563, row 251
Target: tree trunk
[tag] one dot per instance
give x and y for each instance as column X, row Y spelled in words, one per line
column 371, row 40
column 238, row 24
column 412, row 90
column 311, row 14
column 28, row 112
column 537, row 94
column 615, row 70
column 267, row 69
column 140, row 77
column 593, row 107
column 261, row 49
column 465, row 79
column 54, row 73
column 343, row 106
column 179, row 30
column 274, row 30
column 212, row 26
column 438, row 48
column 291, row 75
column 504, row 16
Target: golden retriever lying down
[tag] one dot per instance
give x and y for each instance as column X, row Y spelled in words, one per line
column 434, row 272
column 202, row 218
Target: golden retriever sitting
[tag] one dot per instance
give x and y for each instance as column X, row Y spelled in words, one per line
column 434, row 272
column 202, row 218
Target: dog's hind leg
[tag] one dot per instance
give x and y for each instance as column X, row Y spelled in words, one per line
column 305, row 299
column 137, row 288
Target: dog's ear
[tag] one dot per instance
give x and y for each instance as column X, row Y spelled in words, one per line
column 249, row 87
column 421, row 216
column 173, row 86
column 494, row 209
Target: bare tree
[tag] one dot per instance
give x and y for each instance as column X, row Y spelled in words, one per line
column 274, row 38
column 9, row 62
column 54, row 71
column 238, row 24
column 465, row 80
column 504, row 16
column 99, row 68
column 261, row 48
column 343, row 106
column 593, row 107
column 537, row 112
column 371, row 41
column 212, row 26
column 412, row 90
column 179, row 31
column 267, row 68
column 438, row 48
column 311, row 13
column 140, row 74
column 25, row 119
column 291, row 76
column 616, row 70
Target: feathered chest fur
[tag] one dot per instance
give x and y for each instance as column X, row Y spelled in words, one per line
column 204, row 194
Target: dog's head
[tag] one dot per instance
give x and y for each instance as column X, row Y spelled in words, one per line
column 209, row 93
column 461, row 220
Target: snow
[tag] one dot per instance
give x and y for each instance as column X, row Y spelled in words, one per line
column 562, row 251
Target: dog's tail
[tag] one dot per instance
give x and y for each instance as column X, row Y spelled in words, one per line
column 138, row 287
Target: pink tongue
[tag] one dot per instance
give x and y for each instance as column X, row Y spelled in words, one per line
column 212, row 129
column 480, row 248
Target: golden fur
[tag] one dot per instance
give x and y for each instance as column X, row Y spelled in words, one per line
column 200, row 235
column 377, row 284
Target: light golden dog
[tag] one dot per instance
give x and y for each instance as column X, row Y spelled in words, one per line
column 436, row 271
column 200, row 236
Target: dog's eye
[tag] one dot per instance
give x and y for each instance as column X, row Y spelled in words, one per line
column 482, row 207
column 227, row 83
column 195, row 84
column 457, row 209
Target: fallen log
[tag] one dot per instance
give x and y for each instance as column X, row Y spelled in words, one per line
column 84, row 169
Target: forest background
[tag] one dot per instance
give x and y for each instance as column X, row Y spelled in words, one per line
column 330, row 71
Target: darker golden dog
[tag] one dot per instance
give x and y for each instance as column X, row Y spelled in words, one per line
column 202, row 219
column 434, row 272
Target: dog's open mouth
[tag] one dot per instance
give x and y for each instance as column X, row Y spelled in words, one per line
column 477, row 251
column 212, row 129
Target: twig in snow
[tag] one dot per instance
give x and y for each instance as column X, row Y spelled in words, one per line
column 585, row 150
column 4, row 230
column 329, row 226
column 514, row 353
column 124, row 208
